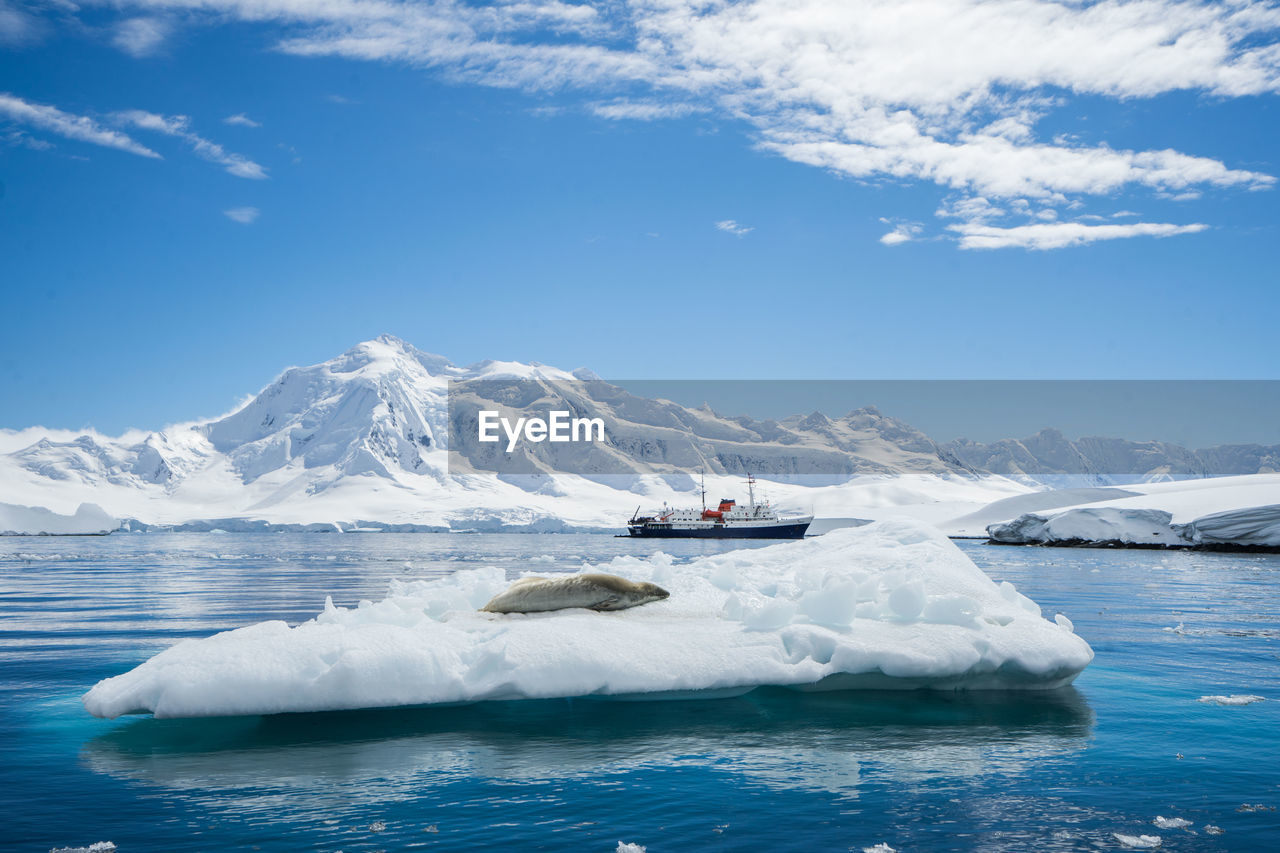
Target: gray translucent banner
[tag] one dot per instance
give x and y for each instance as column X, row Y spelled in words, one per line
column 820, row 432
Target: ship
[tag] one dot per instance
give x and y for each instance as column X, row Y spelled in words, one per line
column 727, row 521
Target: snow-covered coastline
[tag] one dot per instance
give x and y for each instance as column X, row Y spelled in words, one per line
column 362, row 442
column 1224, row 513
column 88, row 520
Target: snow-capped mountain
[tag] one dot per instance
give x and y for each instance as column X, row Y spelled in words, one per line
column 385, row 436
column 1050, row 458
column 363, row 440
column 379, row 408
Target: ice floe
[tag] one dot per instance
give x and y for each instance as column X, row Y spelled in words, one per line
column 1233, row 699
column 889, row 605
column 1171, row 822
column 1138, row 841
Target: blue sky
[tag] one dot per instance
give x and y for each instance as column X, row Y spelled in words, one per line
column 199, row 194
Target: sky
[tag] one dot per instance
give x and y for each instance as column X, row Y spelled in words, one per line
column 196, row 194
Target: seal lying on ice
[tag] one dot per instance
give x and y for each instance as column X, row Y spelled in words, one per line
column 594, row 592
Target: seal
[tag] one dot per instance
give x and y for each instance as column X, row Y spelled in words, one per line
column 594, row 592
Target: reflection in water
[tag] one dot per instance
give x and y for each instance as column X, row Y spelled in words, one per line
column 782, row 739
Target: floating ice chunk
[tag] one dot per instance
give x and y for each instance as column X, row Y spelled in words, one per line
column 96, row 847
column 1233, row 699
column 1011, row 595
column 890, row 604
column 1138, row 841
column 879, row 848
column 1210, row 829
column 1171, row 822
column 624, row 847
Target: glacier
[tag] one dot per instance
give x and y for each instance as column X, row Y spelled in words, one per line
column 893, row 604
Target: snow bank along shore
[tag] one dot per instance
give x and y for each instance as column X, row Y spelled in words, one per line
column 890, row 605
column 88, row 520
column 1219, row 513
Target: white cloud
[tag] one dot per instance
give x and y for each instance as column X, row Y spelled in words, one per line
column 69, row 125
column 242, row 120
column 179, row 126
column 732, row 227
column 22, row 139
column 970, row 208
column 903, row 232
column 17, row 26
column 243, row 215
column 1061, row 234
column 914, row 90
column 141, row 37
column 643, row 110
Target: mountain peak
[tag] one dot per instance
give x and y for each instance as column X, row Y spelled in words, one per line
column 393, row 341
column 493, row 369
column 387, row 352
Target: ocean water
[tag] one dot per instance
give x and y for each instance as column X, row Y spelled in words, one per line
column 773, row 770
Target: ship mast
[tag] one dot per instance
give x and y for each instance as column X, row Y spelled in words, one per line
column 751, row 491
column 704, row 489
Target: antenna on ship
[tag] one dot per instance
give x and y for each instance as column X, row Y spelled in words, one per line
column 751, row 489
column 704, row 489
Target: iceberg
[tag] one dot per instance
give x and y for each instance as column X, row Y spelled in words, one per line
column 1233, row 699
column 893, row 604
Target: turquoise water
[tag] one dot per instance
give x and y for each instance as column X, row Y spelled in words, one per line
column 773, row 770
